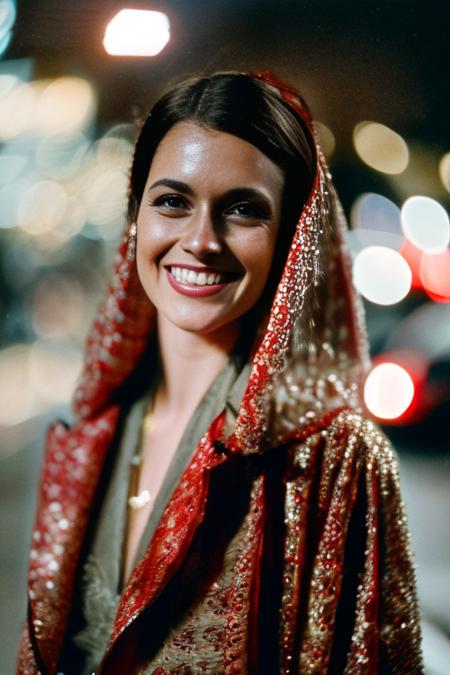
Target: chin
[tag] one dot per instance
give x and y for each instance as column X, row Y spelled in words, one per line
column 200, row 322
column 197, row 326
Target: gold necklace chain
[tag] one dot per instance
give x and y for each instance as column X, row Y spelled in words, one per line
column 137, row 500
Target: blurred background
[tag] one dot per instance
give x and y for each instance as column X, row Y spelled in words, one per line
column 72, row 96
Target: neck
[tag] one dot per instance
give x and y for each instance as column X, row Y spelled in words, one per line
column 189, row 362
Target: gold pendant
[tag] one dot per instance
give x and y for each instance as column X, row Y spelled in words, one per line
column 139, row 501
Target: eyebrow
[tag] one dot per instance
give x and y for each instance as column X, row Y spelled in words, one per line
column 174, row 184
column 246, row 193
column 234, row 193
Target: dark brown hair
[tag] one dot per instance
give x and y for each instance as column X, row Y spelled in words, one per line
column 237, row 104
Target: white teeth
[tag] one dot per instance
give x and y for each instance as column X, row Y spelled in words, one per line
column 196, row 278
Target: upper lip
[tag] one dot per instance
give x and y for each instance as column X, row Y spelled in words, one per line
column 202, row 268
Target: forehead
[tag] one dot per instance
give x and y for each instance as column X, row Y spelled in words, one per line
column 193, row 153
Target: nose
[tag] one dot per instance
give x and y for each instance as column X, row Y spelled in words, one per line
column 201, row 238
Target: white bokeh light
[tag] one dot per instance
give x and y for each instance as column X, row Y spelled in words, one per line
column 18, row 399
column 7, row 82
column 372, row 211
column 105, row 198
column 381, row 275
column 327, row 139
column 53, row 369
column 425, row 223
column 11, row 167
column 444, row 171
column 65, row 105
column 10, row 199
column 7, row 20
column 42, row 207
column 39, row 375
column 62, row 155
column 137, row 32
column 113, row 152
column 17, row 108
column 388, row 391
column 380, row 147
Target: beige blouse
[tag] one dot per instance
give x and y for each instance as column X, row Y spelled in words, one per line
column 99, row 593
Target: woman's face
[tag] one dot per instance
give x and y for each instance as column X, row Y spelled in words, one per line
column 207, row 227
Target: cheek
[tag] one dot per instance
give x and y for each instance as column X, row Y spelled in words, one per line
column 146, row 256
column 256, row 255
column 149, row 249
column 153, row 238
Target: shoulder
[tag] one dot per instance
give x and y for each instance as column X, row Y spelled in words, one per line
column 73, row 456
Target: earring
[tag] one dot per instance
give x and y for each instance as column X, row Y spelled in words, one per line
column 131, row 246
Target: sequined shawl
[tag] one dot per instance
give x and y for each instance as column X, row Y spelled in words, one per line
column 284, row 546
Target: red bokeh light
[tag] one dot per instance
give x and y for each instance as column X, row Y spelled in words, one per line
column 435, row 275
column 416, row 366
column 430, row 272
column 412, row 255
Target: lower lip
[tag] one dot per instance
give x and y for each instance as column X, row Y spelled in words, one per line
column 195, row 291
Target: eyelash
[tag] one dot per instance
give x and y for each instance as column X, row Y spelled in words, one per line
column 253, row 211
column 164, row 202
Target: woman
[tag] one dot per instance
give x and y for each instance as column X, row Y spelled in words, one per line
column 220, row 505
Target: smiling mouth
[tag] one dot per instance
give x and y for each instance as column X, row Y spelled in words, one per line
column 195, row 278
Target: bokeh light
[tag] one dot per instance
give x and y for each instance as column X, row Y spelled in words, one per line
column 444, row 171
column 39, row 376
column 53, row 369
column 17, row 107
column 380, row 147
column 381, row 275
column 435, row 275
column 326, row 138
column 65, row 105
column 73, row 220
column 375, row 221
column 413, row 256
column 62, row 156
column 372, row 211
column 11, row 167
column 105, row 199
column 388, row 391
column 137, row 32
column 425, row 223
column 7, row 19
column 17, row 401
column 425, row 330
column 10, row 199
column 42, row 207
column 114, row 151
column 7, row 82
column 58, row 308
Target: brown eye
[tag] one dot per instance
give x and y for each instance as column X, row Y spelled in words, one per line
column 246, row 210
column 170, row 202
